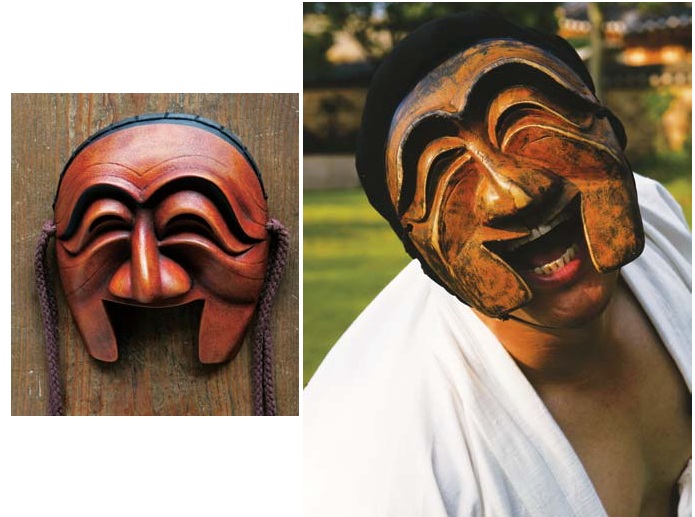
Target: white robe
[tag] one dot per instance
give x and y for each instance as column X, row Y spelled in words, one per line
column 418, row 410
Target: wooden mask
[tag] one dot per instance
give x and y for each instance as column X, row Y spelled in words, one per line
column 502, row 165
column 160, row 211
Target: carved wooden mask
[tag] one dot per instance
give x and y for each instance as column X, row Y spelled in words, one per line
column 499, row 145
column 160, row 212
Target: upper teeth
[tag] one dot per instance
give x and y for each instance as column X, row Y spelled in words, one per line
column 539, row 231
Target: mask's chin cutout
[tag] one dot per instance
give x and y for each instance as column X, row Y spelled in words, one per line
column 139, row 329
column 221, row 326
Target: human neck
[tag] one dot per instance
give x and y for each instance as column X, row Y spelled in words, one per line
column 556, row 355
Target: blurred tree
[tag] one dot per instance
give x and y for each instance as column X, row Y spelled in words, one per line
column 332, row 106
column 596, row 37
column 376, row 27
column 402, row 18
column 315, row 47
column 359, row 19
column 653, row 9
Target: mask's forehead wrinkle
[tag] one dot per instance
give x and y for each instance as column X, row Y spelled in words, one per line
column 192, row 156
column 114, row 165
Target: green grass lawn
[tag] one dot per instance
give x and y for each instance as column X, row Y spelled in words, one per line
column 682, row 190
column 350, row 254
column 674, row 171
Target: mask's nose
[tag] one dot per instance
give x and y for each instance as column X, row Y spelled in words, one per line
column 148, row 276
column 509, row 186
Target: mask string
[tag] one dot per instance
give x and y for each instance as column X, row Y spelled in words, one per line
column 49, row 315
column 262, row 376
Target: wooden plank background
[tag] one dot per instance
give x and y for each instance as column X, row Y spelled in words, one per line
column 158, row 372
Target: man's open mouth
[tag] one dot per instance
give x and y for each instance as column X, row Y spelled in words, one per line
column 548, row 247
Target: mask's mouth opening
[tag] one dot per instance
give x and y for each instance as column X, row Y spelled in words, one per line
column 547, row 247
column 140, row 330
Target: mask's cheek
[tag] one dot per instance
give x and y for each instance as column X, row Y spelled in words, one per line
column 450, row 242
column 230, row 286
column 90, row 271
column 236, row 279
column 612, row 226
column 85, row 278
column 485, row 281
column 574, row 157
column 223, row 326
column 610, row 212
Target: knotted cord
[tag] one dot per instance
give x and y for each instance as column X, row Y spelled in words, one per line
column 49, row 315
column 262, row 374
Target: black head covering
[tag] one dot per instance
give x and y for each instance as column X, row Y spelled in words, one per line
column 409, row 62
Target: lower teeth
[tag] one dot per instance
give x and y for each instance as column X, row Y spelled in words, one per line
column 551, row 267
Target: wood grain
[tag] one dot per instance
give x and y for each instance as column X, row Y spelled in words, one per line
column 158, row 372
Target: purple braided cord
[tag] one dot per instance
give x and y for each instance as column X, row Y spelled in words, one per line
column 49, row 314
column 262, row 375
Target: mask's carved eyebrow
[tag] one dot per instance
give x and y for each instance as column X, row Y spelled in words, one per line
column 214, row 194
column 89, row 196
column 423, row 133
column 520, row 74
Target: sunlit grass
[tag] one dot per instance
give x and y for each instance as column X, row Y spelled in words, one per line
column 350, row 254
column 682, row 190
column 674, row 171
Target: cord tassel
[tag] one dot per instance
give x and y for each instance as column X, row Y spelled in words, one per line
column 262, row 375
column 49, row 315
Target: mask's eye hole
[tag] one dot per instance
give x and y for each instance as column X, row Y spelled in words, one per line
column 528, row 115
column 185, row 217
column 105, row 218
column 189, row 223
column 443, row 160
column 108, row 223
column 430, row 147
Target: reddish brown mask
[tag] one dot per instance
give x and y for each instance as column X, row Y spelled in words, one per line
column 158, row 214
column 494, row 146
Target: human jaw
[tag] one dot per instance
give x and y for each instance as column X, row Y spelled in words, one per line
column 162, row 215
column 509, row 189
column 577, row 306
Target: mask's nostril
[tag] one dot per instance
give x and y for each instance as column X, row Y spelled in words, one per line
column 119, row 285
column 172, row 281
column 175, row 280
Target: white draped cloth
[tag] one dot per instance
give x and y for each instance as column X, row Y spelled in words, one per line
column 418, row 410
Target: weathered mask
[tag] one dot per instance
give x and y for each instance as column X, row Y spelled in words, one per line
column 501, row 166
column 161, row 211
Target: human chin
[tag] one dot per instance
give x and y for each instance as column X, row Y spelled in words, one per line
column 572, row 307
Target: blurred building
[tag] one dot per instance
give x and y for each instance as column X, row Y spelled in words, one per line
column 647, row 77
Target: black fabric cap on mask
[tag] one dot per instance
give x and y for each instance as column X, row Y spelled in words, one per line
column 409, row 62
